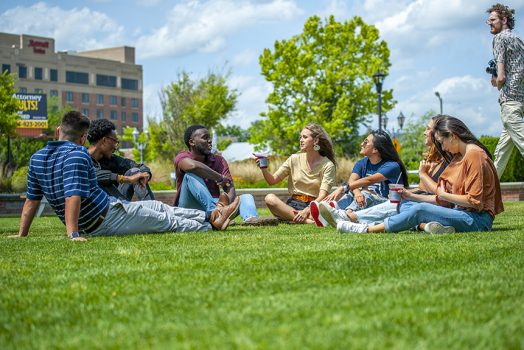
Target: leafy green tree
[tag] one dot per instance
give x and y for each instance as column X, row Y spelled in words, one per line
column 206, row 101
column 8, row 115
column 322, row 75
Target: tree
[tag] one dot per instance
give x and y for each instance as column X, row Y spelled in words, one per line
column 323, row 75
column 8, row 118
column 185, row 102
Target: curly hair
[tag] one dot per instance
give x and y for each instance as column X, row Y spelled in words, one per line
column 326, row 146
column 504, row 12
column 99, row 128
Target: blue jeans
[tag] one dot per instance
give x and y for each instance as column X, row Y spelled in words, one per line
column 347, row 201
column 195, row 194
column 413, row 213
column 127, row 218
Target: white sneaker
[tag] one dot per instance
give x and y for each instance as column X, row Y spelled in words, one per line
column 332, row 215
column 351, row 227
column 437, row 227
column 315, row 214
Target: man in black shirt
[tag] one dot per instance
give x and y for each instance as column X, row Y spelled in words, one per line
column 119, row 177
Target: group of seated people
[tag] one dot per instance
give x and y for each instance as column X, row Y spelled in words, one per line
column 91, row 190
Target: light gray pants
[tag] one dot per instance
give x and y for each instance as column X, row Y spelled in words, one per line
column 512, row 114
column 128, row 218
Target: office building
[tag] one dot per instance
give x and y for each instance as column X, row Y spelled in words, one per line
column 103, row 83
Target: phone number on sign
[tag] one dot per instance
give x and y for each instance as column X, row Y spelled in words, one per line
column 32, row 124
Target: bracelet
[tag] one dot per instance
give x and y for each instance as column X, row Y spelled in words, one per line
column 74, row 234
column 120, row 179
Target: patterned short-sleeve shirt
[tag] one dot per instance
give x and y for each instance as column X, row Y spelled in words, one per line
column 508, row 49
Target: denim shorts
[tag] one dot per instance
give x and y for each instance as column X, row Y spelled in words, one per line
column 296, row 204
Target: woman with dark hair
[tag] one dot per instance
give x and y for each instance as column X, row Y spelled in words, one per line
column 467, row 196
column 430, row 168
column 368, row 184
column 310, row 174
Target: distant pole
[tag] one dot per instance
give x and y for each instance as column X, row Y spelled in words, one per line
column 440, row 99
column 378, row 78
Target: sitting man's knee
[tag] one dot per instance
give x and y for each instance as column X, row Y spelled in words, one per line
column 132, row 171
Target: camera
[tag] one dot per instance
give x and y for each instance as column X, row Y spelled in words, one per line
column 492, row 68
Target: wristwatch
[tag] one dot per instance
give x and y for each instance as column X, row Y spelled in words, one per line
column 74, row 234
column 346, row 188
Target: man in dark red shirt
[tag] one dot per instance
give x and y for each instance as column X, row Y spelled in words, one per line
column 200, row 175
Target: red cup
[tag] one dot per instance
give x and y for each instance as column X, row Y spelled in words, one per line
column 394, row 193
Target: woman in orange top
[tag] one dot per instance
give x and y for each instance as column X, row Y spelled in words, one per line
column 468, row 192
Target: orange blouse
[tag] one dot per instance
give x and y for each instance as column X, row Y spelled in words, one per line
column 474, row 175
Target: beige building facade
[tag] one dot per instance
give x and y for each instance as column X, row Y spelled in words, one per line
column 102, row 84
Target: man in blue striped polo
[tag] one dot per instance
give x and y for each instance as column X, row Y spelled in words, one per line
column 63, row 172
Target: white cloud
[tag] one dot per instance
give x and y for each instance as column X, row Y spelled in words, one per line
column 197, row 26
column 76, row 29
column 244, row 58
column 253, row 92
column 471, row 99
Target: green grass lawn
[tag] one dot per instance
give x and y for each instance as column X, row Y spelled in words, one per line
column 291, row 286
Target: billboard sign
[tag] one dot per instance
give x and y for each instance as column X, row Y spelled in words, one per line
column 32, row 110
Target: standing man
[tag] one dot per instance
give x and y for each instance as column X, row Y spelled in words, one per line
column 508, row 53
column 200, row 175
column 63, row 172
column 119, row 177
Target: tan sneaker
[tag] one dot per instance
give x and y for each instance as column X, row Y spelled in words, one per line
column 222, row 215
column 223, row 200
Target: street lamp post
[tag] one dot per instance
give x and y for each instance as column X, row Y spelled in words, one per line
column 378, row 78
column 140, row 145
column 401, row 119
column 385, row 122
column 440, row 99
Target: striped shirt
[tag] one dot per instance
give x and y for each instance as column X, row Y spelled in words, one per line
column 63, row 169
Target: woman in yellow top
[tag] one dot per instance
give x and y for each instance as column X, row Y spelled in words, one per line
column 310, row 174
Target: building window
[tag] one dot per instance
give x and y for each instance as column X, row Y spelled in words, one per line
column 134, row 102
column 53, row 75
column 124, row 116
column 6, row 67
column 85, row 111
column 105, row 80
column 99, row 99
column 113, row 100
column 53, row 93
column 69, row 96
column 134, row 117
column 39, row 91
column 85, row 98
column 114, row 115
column 39, row 73
column 77, row 77
column 22, row 90
column 123, row 101
column 99, row 114
column 22, row 72
column 129, row 84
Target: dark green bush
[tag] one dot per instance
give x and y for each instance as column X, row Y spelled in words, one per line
column 19, row 180
column 515, row 169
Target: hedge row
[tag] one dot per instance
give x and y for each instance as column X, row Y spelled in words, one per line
column 515, row 170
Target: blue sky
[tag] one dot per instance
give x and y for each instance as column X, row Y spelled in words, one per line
column 435, row 45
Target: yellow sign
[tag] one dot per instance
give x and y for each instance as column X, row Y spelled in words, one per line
column 396, row 143
column 32, row 124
